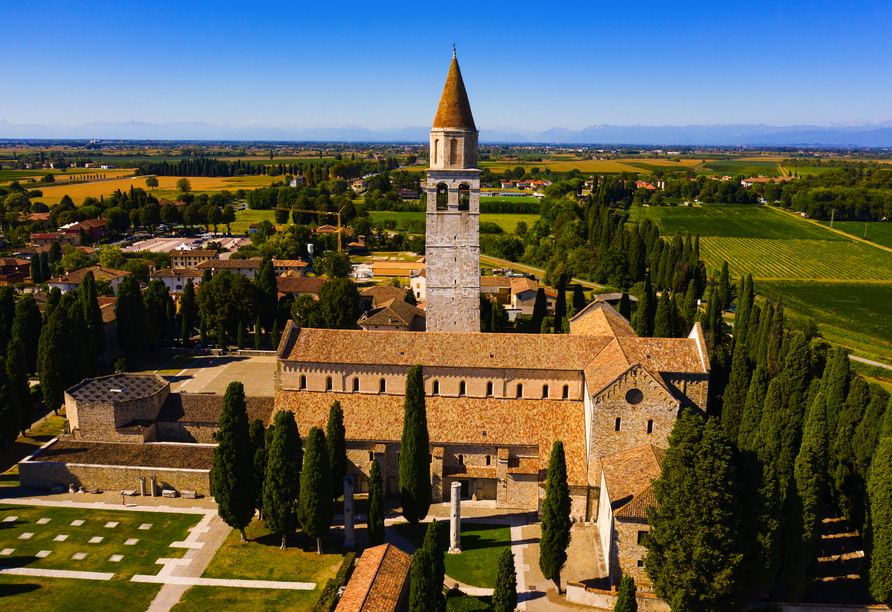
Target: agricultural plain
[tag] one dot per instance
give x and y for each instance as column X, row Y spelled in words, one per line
column 877, row 232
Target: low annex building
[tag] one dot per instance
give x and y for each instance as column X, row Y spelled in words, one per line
column 497, row 402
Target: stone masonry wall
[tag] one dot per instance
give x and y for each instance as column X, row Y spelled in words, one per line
column 43, row 475
column 201, row 433
column 629, row 552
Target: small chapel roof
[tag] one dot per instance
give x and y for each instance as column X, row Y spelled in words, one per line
column 454, row 110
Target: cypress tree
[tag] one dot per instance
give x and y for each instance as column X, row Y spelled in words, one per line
column 188, row 306
column 258, row 436
column 316, row 509
column 336, row 443
column 221, row 337
column 258, row 336
column 646, row 309
column 867, row 436
column 504, row 596
column 376, row 505
column 775, row 338
column 555, row 517
column 663, row 324
column 433, row 544
column 545, row 328
column 560, row 305
column 268, row 295
column 233, row 484
column 625, row 307
column 734, row 398
column 770, row 437
column 415, row 483
column 10, row 416
column 698, row 495
column 35, row 268
column 578, row 298
column 880, row 495
column 803, row 503
column 26, row 328
column 540, row 308
column 186, row 333
column 7, row 315
column 744, row 309
column 281, row 483
column 240, row 341
column 690, row 304
column 846, row 484
column 90, row 301
column 724, row 287
column 275, row 334
column 45, row 274
column 836, row 388
column 410, row 297
column 626, row 601
column 51, row 360
column 422, row 590
column 203, row 334
column 678, row 320
column 130, row 314
column 761, row 348
column 18, row 381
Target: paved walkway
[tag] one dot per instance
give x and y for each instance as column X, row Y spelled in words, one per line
column 220, row 582
column 48, row 573
column 869, row 362
column 104, row 506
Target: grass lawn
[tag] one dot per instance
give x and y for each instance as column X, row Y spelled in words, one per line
column 25, row 445
column 30, row 593
column 481, row 547
column 244, row 218
column 877, row 231
column 507, row 221
column 262, row 559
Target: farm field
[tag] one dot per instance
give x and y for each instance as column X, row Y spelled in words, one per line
column 741, row 166
column 732, row 221
column 856, row 315
column 877, row 231
column 589, row 165
column 507, row 221
column 70, row 174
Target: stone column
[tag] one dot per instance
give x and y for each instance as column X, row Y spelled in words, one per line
column 154, row 487
column 142, row 486
column 455, row 520
column 349, row 538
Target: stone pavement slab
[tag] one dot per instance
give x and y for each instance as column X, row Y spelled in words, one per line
column 131, row 542
column 7, row 551
column 26, row 536
column 43, row 521
column 60, row 538
column 45, row 573
column 43, row 554
column 111, row 524
column 145, row 526
column 115, row 558
column 79, row 556
column 77, row 523
column 96, row 540
column 10, row 519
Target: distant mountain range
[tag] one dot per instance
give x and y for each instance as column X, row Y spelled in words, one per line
column 878, row 134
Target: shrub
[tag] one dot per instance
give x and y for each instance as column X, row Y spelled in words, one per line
column 456, row 601
column 329, row 595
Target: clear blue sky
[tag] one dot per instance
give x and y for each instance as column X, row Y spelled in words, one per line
column 531, row 66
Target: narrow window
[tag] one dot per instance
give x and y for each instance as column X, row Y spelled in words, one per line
column 382, row 386
column 544, row 391
column 371, row 456
column 488, row 460
column 650, row 426
column 356, row 385
column 489, row 389
column 519, row 389
column 430, row 458
column 453, row 152
column 303, row 382
column 436, row 150
column 642, row 538
column 461, row 459
column 436, row 388
column 464, row 197
column 566, row 392
column 442, row 197
column 640, row 562
column 462, row 388
column 328, row 384
column 616, row 427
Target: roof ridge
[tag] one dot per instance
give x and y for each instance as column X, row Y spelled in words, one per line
column 634, row 498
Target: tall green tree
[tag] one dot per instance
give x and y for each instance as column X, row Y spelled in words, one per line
column 698, row 495
column 880, row 492
column 835, row 386
column 847, row 484
column 267, row 293
column 555, row 517
column 433, row 544
column 7, row 315
column 26, row 328
column 315, row 507
column 540, row 308
column 18, row 381
column 644, row 316
column 258, row 434
column 504, row 596
column 734, row 398
column 51, row 361
column 90, row 301
column 422, row 590
column 339, row 303
column 189, row 306
column 751, row 418
column 376, row 505
column 10, row 416
column 234, row 484
column 336, row 443
column 415, row 483
column 281, row 484
column 624, row 308
column 804, row 502
column 258, row 335
column 130, row 315
column 155, row 299
column 664, row 326
column 626, row 600
column 690, row 304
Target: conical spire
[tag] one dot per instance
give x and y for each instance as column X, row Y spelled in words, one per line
column 454, row 110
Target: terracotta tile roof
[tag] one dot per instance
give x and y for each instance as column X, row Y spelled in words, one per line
column 443, row 349
column 229, row 264
column 393, row 312
column 77, row 277
column 176, row 273
column 454, row 420
column 382, row 293
column 454, row 110
column 495, row 281
column 637, row 507
column 52, row 236
column 181, row 456
column 289, row 263
column 630, row 472
column 664, row 354
column 600, row 319
column 519, row 285
column 299, row 284
column 377, row 582
column 206, row 408
column 194, row 253
column 332, row 229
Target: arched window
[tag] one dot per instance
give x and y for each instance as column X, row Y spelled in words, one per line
column 650, row 426
column 464, row 197
column 489, row 389
column 462, row 388
column 617, row 425
column 356, row 385
column 303, row 382
column 566, row 392
column 519, row 389
column 328, row 383
column 461, row 459
column 436, row 388
column 382, row 386
column 442, row 197
column 544, row 391
column 488, row 460
column 453, row 152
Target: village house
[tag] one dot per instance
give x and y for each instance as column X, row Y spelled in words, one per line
column 73, row 280
column 175, row 278
column 393, row 315
column 246, row 267
column 46, row 239
column 401, row 269
column 185, row 258
column 297, row 286
column 292, row 267
column 13, row 270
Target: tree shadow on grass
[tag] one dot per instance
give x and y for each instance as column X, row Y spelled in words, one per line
column 9, row 590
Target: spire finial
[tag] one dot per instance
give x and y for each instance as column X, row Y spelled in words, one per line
column 453, row 48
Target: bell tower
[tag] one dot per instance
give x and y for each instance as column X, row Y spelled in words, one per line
column 453, row 214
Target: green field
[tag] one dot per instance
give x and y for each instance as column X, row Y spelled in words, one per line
column 877, row 231
column 733, row 221
column 800, row 170
column 507, row 221
column 857, row 315
column 743, row 166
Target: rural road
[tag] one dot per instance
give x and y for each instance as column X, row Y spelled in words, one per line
column 539, row 271
column 869, row 362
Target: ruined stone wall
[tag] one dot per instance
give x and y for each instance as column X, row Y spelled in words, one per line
column 43, row 475
column 201, row 433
